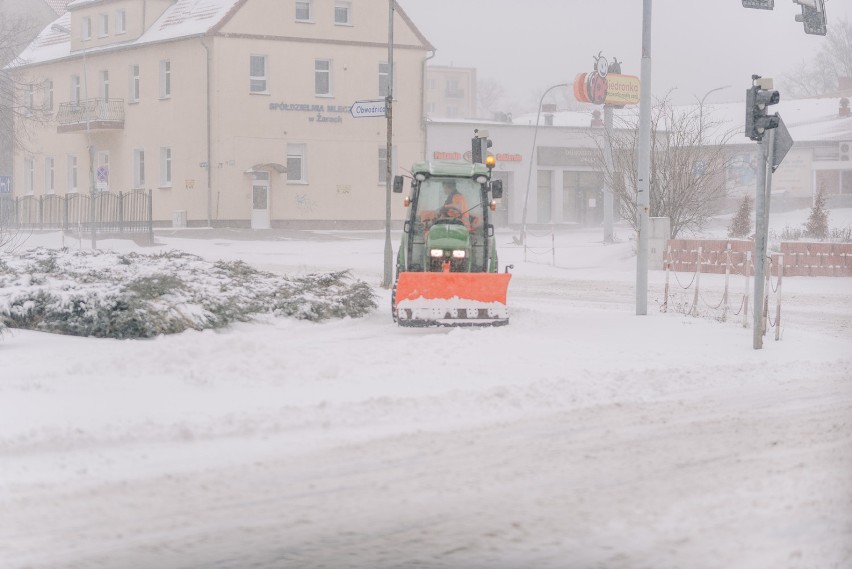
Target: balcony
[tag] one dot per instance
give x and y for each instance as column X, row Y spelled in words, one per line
column 91, row 114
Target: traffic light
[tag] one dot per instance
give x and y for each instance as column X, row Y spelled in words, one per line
column 760, row 96
column 479, row 146
column 812, row 16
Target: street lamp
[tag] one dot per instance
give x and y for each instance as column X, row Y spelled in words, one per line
column 89, row 146
column 532, row 155
column 701, row 108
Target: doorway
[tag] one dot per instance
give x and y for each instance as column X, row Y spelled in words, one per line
column 260, row 200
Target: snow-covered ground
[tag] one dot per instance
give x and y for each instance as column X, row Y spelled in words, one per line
column 581, row 435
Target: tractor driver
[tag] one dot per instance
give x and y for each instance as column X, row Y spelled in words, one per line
column 454, row 205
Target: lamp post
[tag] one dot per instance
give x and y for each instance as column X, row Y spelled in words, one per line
column 89, row 146
column 701, row 108
column 532, row 158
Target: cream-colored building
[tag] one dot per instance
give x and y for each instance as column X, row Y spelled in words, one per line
column 450, row 92
column 233, row 112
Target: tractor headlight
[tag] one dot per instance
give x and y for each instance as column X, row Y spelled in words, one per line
column 420, row 176
column 436, row 252
column 481, row 179
column 459, row 253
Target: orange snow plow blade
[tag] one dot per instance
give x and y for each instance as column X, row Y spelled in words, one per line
column 452, row 299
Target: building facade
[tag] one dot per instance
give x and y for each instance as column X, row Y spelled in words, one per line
column 233, row 112
column 450, row 92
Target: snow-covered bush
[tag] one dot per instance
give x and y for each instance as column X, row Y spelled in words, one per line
column 111, row 295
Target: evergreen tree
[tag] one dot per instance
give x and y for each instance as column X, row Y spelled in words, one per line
column 817, row 224
column 741, row 223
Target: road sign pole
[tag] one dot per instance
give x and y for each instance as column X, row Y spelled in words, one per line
column 386, row 280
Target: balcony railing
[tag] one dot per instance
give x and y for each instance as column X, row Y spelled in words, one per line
column 91, row 114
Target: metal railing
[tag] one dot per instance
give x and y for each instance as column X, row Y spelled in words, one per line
column 122, row 212
column 90, row 113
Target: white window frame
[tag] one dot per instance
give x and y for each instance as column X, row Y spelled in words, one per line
column 103, row 25
column 310, row 8
column 86, row 28
column 258, row 83
column 29, row 99
column 120, row 21
column 383, row 151
column 47, row 103
column 72, row 174
column 49, row 175
column 138, row 168
column 103, row 87
column 134, row 86
column 102, row 160
column 165, row 167
column 346, row 6
column 29, row 176
column 318, row 73
column 75, row 89
column 165, row 79
column 297, row 152
column 383, row 78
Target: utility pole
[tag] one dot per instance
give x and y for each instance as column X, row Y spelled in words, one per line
column 643, row 197
column 386, row 280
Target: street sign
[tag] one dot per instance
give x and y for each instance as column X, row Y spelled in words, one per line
column 759, row 4
column 783, row 144
column 371, row 108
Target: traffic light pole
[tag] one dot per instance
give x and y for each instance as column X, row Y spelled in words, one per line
column 765, row 156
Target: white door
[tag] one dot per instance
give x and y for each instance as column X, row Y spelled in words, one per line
column 260, row 201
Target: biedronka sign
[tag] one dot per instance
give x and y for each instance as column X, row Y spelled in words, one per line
column 606, row 85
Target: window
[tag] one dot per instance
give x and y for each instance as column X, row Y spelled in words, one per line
column 257, row 74
column 103, row 28
column 343, row 13
column 49, row 176
column 29, row 99
column 322, row 77
column 102, row 171
column 431, row 84
column 303, row 10
column 165, row 79
column 104, row 87
column 165, row 167
column 48, row 95
column 72, row 173
column 296, row 171
column 383, row 164
column 139, row 169
column 383, row 79
column 120, row 22
column 86, row 24
column 133, row 90
column 75, row 89
column 29, row 175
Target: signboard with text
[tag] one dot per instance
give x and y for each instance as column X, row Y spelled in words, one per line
column 371, row 108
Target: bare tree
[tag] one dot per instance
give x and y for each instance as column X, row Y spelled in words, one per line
column 688, row 165
column 21, row 95
column 489, row 93
column 820, row 75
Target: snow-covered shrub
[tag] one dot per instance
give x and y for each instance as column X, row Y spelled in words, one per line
column 109, row 295
column 741, row 222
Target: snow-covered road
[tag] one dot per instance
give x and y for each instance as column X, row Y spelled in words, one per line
column 580, row 435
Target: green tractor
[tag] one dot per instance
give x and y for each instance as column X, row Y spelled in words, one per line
column 446, row 268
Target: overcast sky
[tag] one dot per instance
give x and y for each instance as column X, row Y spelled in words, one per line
column 697, row 45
